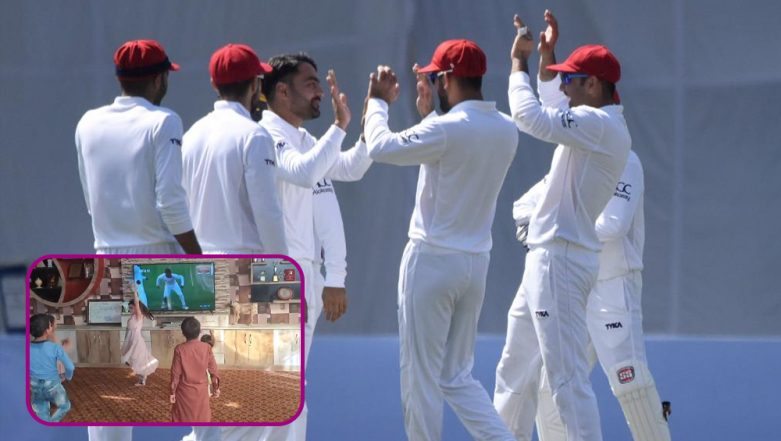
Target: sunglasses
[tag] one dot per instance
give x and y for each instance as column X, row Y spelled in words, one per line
column 566, row 77
column 433, row 75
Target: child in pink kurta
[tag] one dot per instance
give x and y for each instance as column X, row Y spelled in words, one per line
column 189, row 387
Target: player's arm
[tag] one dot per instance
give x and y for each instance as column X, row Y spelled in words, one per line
column 616, row 219
column 579, row 127
column 548, row 81
column 524, row 206
column 305, row 169
column 329, row 230
column 352, row 164
column 159, row 280
column 171, row 200
column 82, row 173
column 420, row 144
column 180, row 279
column 260, row 179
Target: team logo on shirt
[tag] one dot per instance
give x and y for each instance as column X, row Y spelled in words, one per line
column 323, row 186
column 626, row 374
column 280, row 144
column 622, row 191
column 408, row 136
column 567, row 120
column 541, row 314
column 615, row 325
column 176, row 141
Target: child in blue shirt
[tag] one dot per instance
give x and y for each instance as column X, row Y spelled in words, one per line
column 45, row 383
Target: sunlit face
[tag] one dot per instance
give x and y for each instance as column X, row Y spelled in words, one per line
column 305, row 92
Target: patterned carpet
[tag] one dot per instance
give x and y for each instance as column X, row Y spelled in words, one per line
column 109, row 394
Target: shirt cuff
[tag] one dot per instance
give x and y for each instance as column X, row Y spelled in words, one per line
column 335, row 279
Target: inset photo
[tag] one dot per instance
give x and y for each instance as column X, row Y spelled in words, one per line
column 177, row 340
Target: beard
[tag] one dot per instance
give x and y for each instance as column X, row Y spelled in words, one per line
column 314, row 107
column 444, row 104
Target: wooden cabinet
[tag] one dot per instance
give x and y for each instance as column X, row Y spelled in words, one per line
column 163, row 343
column 98, row 347
column 249, row 348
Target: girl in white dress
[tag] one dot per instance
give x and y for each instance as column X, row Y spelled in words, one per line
column 134, row 350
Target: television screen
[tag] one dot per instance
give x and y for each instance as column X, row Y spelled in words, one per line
column 176, row 286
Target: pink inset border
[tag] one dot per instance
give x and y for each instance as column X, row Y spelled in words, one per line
column 302, row 322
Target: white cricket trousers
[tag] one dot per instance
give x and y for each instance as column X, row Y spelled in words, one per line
column 440, row 296
column 295, row 431
column 615, row 322
column 125, row 433
column 546, row 328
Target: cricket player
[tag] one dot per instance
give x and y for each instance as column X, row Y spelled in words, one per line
column 229, row 165
column 579, row 111
column 614, row 312
column 171, row 282
column 130, row 161
column 293, row 93
column 464, row 155
column 130, row 168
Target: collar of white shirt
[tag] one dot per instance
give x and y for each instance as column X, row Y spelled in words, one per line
column 271, row 119
column 130, row 101
column 232, row 105
column 485, row 106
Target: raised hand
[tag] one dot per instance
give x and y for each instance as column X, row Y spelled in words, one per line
column 383, row 84
column 425, row 101
column 342, row 114
column 523, row 45
column 549, row 38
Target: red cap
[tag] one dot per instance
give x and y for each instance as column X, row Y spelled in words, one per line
column 592, row 59
column 463, row 57
column 234, row 63
column 140, row 59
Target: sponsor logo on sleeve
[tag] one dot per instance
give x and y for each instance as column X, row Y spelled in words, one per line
column 176, row 141
column 408, row 136
column 567, row 120
column 615, row 325
column 622, row 191
column 280, row 145
column 541, row 314
column 270, row 162
column 626, row 374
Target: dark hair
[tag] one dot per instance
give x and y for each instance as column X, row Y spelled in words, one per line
column 39, row 323
column 136, row 87
column 234, row 91
column 145, row 311
column 207, row 338
column 191, row 328
column 609, row 88
column 474, row 83
column 285, row 66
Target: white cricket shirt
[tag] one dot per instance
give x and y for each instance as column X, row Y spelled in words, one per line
column 463, row 155
column 593, row 145
column 302, row 160
column 621, row 226
column 229, row 175
column 329, row 228
column 130, row 165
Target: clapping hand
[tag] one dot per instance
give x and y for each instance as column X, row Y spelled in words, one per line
column 342, row 114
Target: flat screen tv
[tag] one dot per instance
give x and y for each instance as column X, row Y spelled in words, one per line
column 182, row 286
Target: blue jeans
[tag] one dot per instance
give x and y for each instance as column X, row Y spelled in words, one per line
column 44, row 393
